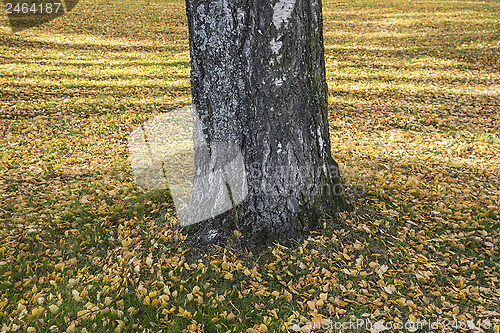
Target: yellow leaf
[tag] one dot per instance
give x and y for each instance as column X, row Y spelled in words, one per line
column 71, row 328
column 316, row 320
column 37, row 311
column 184, row 313
column 262, row 328
column 5, row 302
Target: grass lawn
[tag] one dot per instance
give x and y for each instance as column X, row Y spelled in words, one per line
column 414, row 104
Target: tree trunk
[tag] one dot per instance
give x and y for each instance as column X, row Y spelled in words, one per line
column 258, row 82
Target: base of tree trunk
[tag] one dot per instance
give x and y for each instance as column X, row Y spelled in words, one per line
column 241, row 225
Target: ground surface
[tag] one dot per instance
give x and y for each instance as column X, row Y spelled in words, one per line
column 415, row 120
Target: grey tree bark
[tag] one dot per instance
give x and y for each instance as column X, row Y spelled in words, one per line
column 258, row 82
